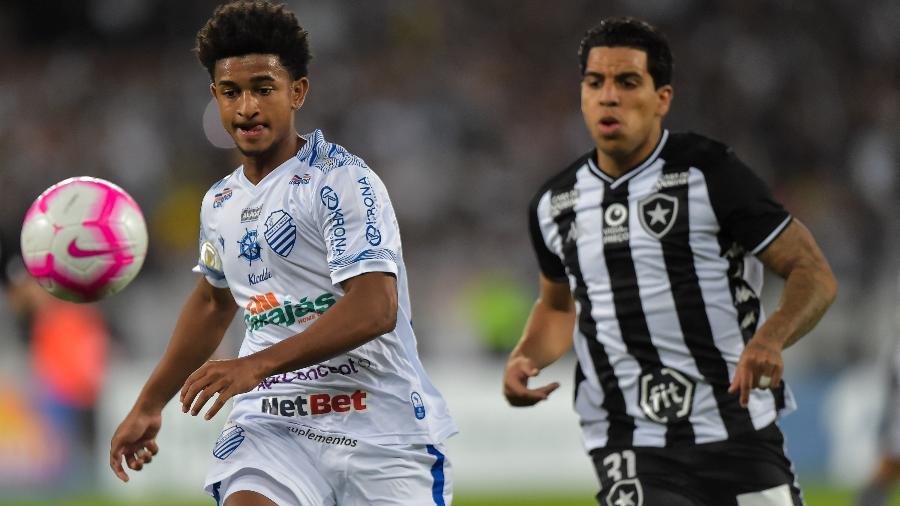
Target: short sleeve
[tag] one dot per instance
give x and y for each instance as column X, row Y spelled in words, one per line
column 550, row 264
column 209, row 261
column 358, row 224
column 744, row 205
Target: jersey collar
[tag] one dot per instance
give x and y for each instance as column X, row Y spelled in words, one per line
column 268, row 177
column 613, row 183
column 313, row 140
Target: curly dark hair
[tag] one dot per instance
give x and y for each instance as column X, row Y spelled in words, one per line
column 254, row 27
column 633, row 33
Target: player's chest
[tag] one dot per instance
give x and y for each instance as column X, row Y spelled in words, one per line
column 636, row 221
column 257, row 229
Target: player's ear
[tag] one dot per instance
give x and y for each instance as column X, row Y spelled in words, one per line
column 665, row 94
column 299, row 88
column 212, row 89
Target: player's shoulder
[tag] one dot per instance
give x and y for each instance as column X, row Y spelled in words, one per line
column 327, row 156
column 563, row 180
column 220, row 191
column 696, row 150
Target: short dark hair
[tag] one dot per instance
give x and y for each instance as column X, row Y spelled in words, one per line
column 254, row 27
column 633, row 33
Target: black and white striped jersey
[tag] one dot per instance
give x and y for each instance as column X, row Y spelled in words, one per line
column 661, row 265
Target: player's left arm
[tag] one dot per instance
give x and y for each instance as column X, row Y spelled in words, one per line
column 367, row 310
column 809, row 288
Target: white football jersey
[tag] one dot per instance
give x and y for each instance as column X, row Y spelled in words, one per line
column 282, row 247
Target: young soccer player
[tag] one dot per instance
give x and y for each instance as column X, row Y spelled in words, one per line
column 651, row 248
column 331, row 403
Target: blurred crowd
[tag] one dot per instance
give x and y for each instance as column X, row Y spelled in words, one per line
column 464, row 108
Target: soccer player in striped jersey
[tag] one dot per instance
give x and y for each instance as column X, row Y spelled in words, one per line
column 331, row 402
column 651, row 248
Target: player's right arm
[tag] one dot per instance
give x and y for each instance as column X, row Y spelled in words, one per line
column 198, row 332
column 547, row 337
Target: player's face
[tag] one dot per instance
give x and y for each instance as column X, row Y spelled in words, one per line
column 257, row 99
column 622, row 108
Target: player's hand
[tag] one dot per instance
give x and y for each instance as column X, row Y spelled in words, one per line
column 515, row 383
column 760, row 366
column 135, row 439
column 224, row 377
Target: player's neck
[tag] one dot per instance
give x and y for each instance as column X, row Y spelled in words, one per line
column 617, row 166
column 256, row 167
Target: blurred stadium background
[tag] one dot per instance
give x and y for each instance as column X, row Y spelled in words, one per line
column 464, row 108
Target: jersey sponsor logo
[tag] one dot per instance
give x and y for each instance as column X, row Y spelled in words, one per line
column 231, row 437
column 666, row 395
column 266, row 309
column 672, row 180
column 330, row 198
column 626, row 493
column 317, row 372
column 373, row 234
column 615, row 220
column 250, row 249
column 220, row 198
column 298, row 180
column 563, row 202
column 315, row 404
column 657, row 213
column 249, row 214
column 418, row 405
column 280, row 233
column 254, row 278
column 615, row 215
column 337, row 236
column 312, row 435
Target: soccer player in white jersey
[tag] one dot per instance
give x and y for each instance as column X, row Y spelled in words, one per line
column 331, row 403
column 651, row 248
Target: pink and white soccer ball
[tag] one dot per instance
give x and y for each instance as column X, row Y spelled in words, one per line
column 84, row 239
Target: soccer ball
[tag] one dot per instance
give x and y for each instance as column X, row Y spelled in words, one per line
column 84, row 239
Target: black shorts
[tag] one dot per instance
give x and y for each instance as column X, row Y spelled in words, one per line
column 712, row 474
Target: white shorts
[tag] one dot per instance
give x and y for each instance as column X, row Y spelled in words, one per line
column 297, row 465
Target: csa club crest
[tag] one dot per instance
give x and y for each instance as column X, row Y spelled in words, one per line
column 658, row 213
column 228, row 441
column 281, row 233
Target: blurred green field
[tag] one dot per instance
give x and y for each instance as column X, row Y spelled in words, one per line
column 815, row 496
